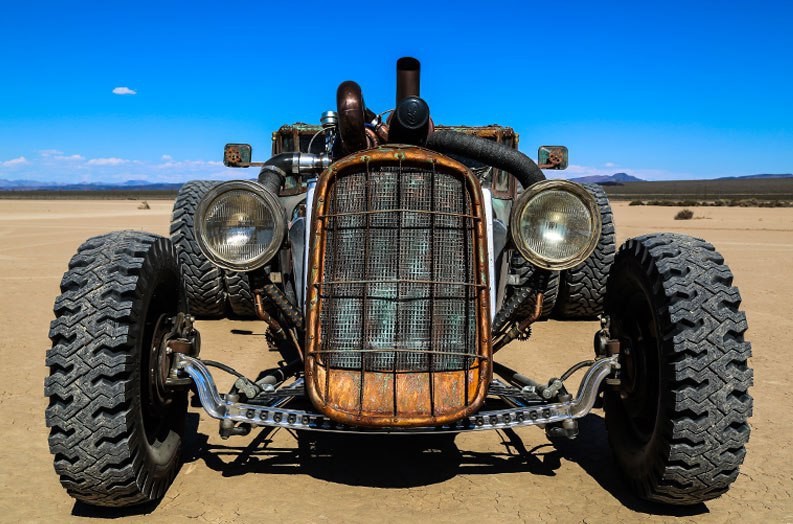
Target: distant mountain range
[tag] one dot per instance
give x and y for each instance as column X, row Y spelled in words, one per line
column 778, row 175
column 623, row 178
column 132, row 185
column 616, row 178
column 33, row 185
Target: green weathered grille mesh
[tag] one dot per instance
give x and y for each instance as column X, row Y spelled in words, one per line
column 399, row 287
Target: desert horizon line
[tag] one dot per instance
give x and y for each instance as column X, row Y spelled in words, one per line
column 618, row 177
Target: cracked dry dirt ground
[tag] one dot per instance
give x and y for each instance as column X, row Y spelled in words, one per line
column 482, row 477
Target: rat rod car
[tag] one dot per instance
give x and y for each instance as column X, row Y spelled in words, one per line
column 391, row 258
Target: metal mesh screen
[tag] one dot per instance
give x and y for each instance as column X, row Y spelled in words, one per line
column 398, row 291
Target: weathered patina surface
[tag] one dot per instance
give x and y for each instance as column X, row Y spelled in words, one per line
column 298, row 136
column 402, row 338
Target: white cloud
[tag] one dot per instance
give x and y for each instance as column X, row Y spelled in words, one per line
column 51, row 165
column 610, row 164
column 55, row 154
column 170, row 163
column 123, row 90
column 18, row 161
column 50, row 152
column 113, row 161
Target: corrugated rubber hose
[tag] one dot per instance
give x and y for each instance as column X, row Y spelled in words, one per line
column 517, row 164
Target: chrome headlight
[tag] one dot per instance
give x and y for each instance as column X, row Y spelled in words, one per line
column 240, row 225
column 555, row 224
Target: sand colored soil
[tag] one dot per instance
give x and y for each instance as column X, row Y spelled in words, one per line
column 482, row 477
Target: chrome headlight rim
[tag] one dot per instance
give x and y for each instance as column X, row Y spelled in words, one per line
column 275, row 208
column 578, row 191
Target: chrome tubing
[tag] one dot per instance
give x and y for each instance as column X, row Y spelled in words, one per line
column 275, row 170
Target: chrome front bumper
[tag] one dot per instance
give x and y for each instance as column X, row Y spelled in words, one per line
column 270, row 412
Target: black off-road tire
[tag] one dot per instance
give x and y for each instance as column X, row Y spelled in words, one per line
column 204, row 284
column 582, row 289
column 525, row 271
column 678, row 424
column 110, row 447
column 240, row 296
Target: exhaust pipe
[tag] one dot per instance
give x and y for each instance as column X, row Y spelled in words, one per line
column 408, row 78
column 410, row 122
column 352, row 117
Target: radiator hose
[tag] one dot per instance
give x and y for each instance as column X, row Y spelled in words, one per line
column 523, row 168
column 275, row 170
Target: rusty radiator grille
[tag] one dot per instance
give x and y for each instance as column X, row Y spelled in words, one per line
column 398, row 291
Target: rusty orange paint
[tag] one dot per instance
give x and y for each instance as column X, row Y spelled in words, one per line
column 420, row 398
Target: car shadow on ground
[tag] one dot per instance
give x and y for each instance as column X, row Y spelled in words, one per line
column 83, row 510
column 403, row 461
column 591, row 451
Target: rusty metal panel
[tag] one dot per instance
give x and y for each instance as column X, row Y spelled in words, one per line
column 237, row 155
column 398, row 305
column 296, row 137
column 490, row 132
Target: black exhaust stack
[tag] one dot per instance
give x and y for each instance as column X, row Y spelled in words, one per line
column 410, row 121
column 408, row 78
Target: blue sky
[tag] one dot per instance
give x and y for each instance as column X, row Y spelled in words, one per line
column 678, row 90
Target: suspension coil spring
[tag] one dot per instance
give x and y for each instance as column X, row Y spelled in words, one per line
column 279, row 299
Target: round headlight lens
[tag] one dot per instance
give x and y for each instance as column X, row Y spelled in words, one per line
column 241, row 225
column 556, row 224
